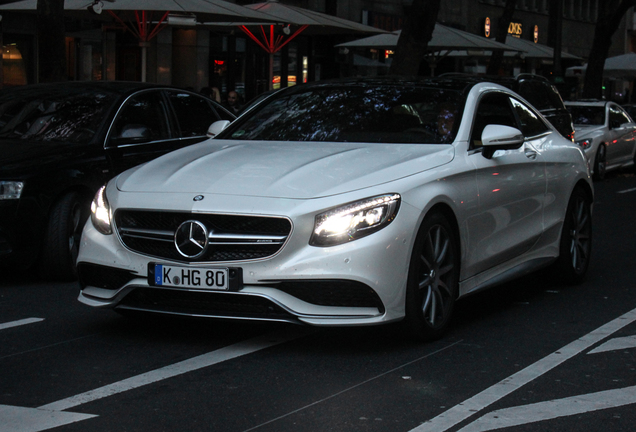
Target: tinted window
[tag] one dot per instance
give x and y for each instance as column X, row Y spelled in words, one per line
column 142, row 117
column 587, row 115
column 535, row 93
column 387, row 114
column 194, row 114
column 530, row 123
column 617, row 117
column 494, row 108
column 541, row 94
column 72, row 117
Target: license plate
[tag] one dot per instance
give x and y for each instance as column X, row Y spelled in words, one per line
column 191, row 277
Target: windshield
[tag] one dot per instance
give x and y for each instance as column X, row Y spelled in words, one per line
column 376, row 114
column 73, row 117
column 587, row 115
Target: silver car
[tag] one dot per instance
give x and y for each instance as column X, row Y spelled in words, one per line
column 606, row 133
column 353, row 202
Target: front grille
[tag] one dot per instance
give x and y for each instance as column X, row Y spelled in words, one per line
column 231, row 237
column 212, row 304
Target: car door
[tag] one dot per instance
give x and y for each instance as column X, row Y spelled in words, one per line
column 142, row 130
column 511, row 184
column 621, row 135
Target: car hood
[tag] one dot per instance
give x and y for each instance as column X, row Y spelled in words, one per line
column 282, row 169
column 584, row 132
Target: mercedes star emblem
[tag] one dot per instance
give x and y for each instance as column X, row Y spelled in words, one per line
column 191, row 239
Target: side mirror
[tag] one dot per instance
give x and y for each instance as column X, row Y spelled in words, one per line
column 217, row 127
column 500, row 137
column 134, row 133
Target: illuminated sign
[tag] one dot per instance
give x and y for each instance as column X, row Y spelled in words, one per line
column 515, row 29
column 536, row 34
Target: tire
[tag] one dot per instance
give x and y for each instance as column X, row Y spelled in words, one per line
column 62, row 238
column 600, row 163
column 433, row 279
column 575, row 247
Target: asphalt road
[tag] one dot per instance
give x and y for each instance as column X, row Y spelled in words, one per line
column 531, row 355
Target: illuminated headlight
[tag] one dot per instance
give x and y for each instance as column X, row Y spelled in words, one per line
column 10, row 190
column 585, row 144
column 100, row 212
column 354, row 220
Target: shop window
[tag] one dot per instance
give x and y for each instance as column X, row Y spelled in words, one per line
column 292, row 64
column 13, row 66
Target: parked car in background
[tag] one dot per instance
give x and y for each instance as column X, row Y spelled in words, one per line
column 540, row 92
column 351, row 202
column 606, row 133
column 60, row 142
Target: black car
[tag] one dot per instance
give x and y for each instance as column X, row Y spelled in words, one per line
column 540, row 92
column 60, row 142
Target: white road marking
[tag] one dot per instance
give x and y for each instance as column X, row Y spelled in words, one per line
column 472, row 406
column 616, row 344
column 627, row 190
column 533, row 413
column 20, row 322
column 205, row 360
column 19, row 419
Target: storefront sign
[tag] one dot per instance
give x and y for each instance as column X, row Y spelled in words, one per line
column 515, row 29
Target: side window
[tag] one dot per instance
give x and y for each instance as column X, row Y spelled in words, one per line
column 494, row 108
column 194, row 114
column 531, row 124
column 142, row 118
column 618, row 117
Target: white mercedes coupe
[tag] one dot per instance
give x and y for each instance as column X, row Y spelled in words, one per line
column 345, row 203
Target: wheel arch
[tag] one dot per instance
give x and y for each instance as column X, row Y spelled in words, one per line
column 586, row 187
column 85, row 193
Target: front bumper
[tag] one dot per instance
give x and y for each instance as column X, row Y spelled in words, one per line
column 358, row 283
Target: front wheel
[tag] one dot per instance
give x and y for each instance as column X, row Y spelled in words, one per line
column 600, row 163
column 576, row 239
column 433, row 279
column 61, row 244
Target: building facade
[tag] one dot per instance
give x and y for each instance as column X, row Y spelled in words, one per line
column 226, row 58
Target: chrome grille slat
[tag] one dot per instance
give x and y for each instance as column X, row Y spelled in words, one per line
column 231, row 237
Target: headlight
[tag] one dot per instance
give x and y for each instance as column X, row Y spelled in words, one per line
column 100, row 212
column 354, row 220
column 585, row 144
column 10, row 189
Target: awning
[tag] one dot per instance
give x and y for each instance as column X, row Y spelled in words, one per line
column 444, row 39
column 618, row 67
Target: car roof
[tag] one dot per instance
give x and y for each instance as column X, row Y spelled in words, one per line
column 71, row 87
